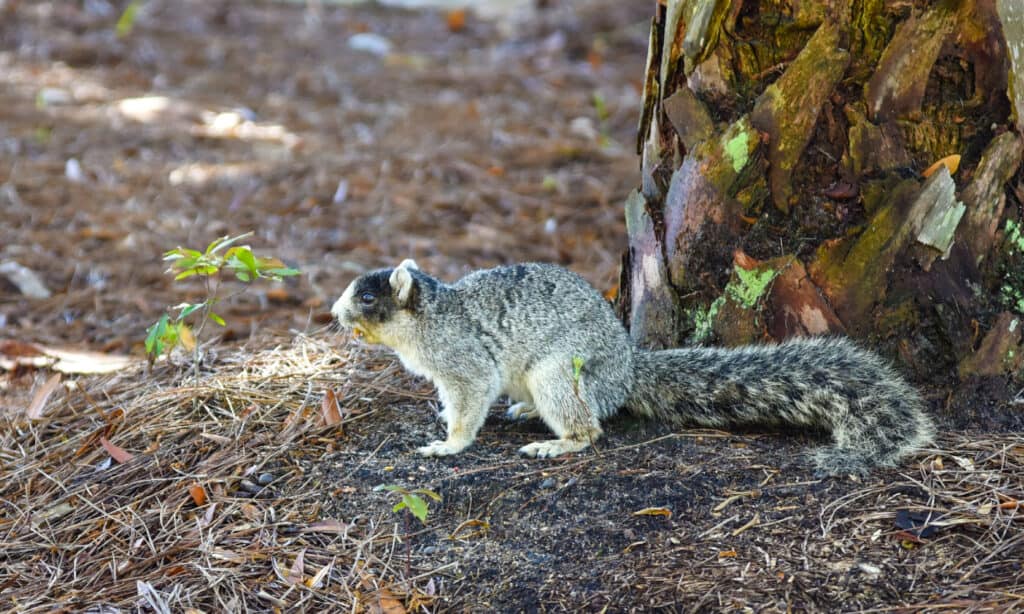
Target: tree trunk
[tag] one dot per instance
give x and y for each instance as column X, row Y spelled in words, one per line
column 824, row 166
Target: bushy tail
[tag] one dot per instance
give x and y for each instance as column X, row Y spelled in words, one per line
column 874, row 416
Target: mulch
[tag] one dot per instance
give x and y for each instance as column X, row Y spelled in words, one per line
column 235, row 487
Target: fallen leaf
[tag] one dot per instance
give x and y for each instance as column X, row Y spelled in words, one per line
column 951, row 162
column 250, row 511
column 456, row 20
column 654, row 511
column 325, row 526
column 387, row 602
column 318, row 579
column 482, row 527
column 279, row 294
column 330, row 414
column 25, row 279
column 38, row 404
column 66, row 360
column 198, row 494
column 295, row 573
column 116, row 453
column 727, row 554
column 57, row 511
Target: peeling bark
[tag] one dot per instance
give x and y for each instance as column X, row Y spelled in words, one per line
column 999, row 352
column 897, row 87
column 985, row 196
column 788, row 109
column 1011, row 15
column 801, row 128
column 654, row 310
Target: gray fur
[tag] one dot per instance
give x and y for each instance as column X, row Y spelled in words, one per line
column 517, row 330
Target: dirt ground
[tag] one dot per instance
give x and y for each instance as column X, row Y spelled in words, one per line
column 466, row 145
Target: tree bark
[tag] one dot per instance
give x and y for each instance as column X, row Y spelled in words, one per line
column 785, row 150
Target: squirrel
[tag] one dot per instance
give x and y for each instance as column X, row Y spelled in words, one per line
column 547, row 339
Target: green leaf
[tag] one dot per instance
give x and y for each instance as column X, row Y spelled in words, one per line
column 390, row 488
column 216, row 318
column 282, row 272
column 181, row 252
column 399, row 506
column 154, row 336
column 126, row 21
column 188, row 308
column 243, row 255
column 243, row 276
column 185, row 273
column 221, row 243
column 200, row 269
column 577, row 367
column 426, row 491
column 416, row 505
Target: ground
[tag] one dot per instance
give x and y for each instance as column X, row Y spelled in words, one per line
column 467, row 145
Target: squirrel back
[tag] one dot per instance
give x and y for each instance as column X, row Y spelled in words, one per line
column 546, row 338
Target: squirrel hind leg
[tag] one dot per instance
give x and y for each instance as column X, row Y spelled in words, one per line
column 564, row 408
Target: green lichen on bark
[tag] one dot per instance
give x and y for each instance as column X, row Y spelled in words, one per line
column 852, row 272
column 788, row 108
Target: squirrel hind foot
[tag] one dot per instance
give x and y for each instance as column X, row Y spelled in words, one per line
column 553, row 447
column 522, row 411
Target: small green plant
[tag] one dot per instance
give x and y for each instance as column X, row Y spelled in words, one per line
column 411, row 500
column 603, row 115
column 126, row 21
column 220, row 255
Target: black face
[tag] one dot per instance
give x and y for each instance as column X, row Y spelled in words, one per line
column 372, row 297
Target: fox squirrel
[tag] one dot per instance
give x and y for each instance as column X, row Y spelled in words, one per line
column 546, row 338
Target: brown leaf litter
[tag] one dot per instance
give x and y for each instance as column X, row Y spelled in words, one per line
column 651, row 520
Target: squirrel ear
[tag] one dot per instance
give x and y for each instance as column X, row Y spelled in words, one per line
column 409, row 263
column 401, row 283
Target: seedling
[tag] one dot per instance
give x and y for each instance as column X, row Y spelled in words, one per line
column 415, row 505
column 411, row 500
column 222, row 254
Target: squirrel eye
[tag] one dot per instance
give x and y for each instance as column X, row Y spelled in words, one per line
column 367, row 298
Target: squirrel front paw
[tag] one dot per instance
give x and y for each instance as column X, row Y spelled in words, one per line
column 442, row 448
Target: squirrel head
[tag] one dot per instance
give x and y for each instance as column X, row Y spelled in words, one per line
column 373, row 304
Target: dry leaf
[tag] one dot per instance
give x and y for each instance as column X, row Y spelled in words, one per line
column 456, row 20
column 384, row 602
column 38, row 404
column 326, row 526
column 387, row 602
column 278, row 294
column 66, row 360
column 654, row 511
column 318, row 579
column 482, row 527
column 250, row 511
column 298, row 566
column 950, row 162
column 329, row 414
column 116, row 453
column 187, row 339
column 198, row 494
